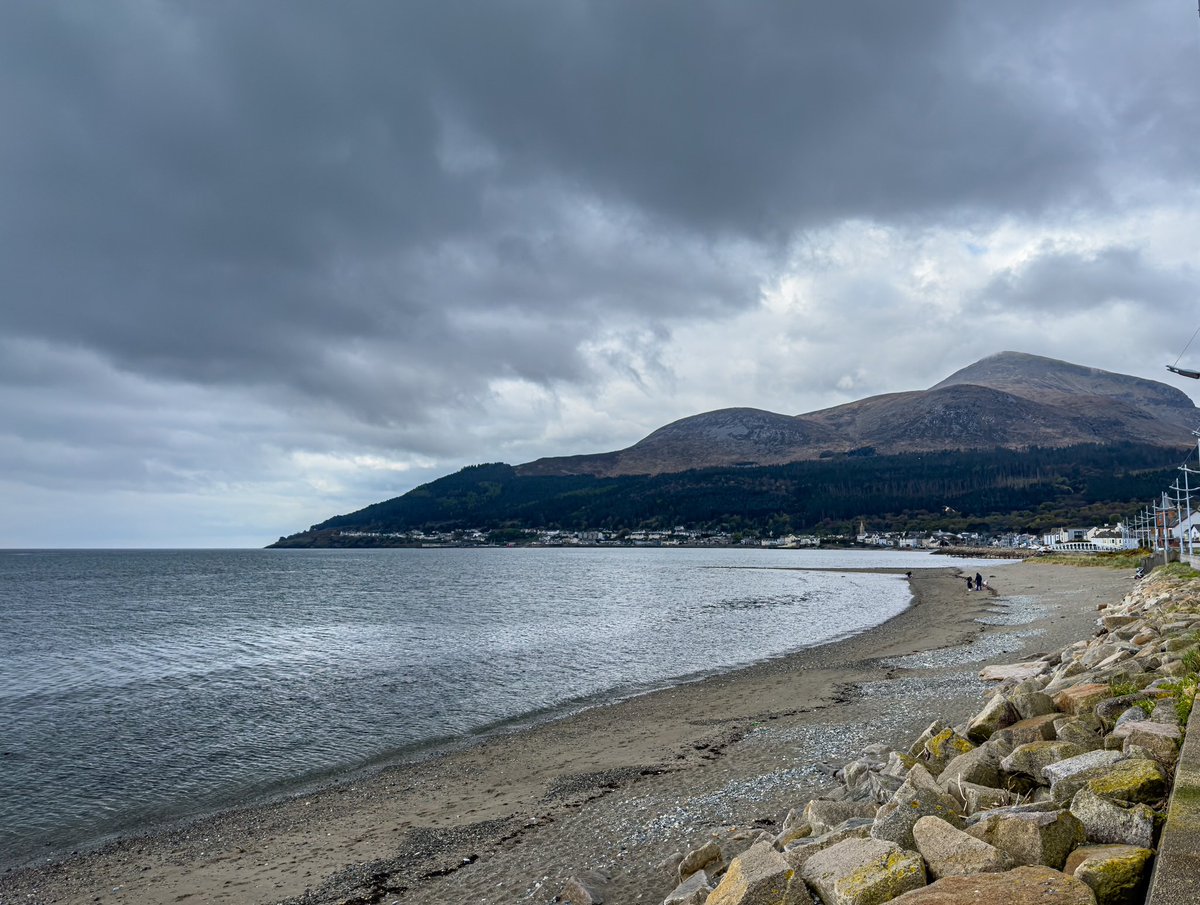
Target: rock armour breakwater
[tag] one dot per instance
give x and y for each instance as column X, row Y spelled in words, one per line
column 1053, row 792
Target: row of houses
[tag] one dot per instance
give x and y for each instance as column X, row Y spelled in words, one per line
column 934, row 540
column 1104, row 539
column 1095, row 539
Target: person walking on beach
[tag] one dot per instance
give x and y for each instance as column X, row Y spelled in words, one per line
column 970, row 586
column 978, row 582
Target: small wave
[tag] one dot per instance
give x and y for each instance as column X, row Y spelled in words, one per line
column 758, row 603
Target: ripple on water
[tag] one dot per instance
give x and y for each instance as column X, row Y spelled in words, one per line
column 138, row 686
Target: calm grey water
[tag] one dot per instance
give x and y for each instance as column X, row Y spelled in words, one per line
column 137, row 687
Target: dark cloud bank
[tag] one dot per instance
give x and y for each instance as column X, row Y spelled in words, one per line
column 332, row 228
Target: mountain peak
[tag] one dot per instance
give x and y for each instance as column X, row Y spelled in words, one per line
column 1012, row 400
column 1039, row 378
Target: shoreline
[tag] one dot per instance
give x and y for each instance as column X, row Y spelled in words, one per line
column 511, row 815
column 281, row 790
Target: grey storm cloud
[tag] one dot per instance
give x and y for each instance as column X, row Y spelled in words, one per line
column 355, row 218
column 220, row 192
column 1070, row 281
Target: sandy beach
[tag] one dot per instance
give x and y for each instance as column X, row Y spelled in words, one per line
column 607, row 794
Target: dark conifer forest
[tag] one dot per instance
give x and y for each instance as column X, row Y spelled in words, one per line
column 997, row 490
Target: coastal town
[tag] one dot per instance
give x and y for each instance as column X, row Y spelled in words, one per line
column 1095, row 539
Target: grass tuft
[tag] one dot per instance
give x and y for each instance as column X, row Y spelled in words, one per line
column 1178, row 570
column 1191, row 659
column 1121, row 687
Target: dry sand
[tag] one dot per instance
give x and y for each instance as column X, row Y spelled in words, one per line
column 609, row 793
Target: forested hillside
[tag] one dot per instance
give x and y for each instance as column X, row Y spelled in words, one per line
column 968, row 490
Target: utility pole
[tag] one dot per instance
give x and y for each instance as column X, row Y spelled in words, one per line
column 1152, row 512
column 1188, row 499
column 1186, row 472
column 1180, row 498
column 1165, row 509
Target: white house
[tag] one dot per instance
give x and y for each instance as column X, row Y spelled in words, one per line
column 1065, row 536
column 1108, row 538
column 1189, row 527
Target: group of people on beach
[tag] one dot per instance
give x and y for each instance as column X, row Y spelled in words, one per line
column 975, row 584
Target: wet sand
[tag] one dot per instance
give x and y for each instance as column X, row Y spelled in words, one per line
column 607, row 794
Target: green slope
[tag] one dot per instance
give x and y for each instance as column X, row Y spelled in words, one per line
column 976, row 490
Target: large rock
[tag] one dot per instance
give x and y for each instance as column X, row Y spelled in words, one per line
column 1174, row 667
column 1117, row 653
column 942, row 748
column 1108, row 711
column 1044, row 838
column 1165, row 713
column 949, row 852
column 823, row 814
column 1033, row 704
column 794, row 827
column 707, row 857
column 1022, row 886
column 1080, row 699
column 1068, row 776
column 978, row 798
column 798, row 852
column 980, row 765
column 1163, row 739
column 1132, row 779
column 1130, row 715
column 898, row 764
column 920, row 796
column 1077, row 732
column 1004, row 671
column 1028, row 807
column 1098, row 653
column 930, row 731
column 996, row 714
column 854, row 774
column 1064, row 676
column 1116, row 620
column 1032, row 758
column 1117, row 874
column 1106, row 822
column 760, row 876
column 863, row 872
column 692, row 891
column 1034, row 729
column 882, row 786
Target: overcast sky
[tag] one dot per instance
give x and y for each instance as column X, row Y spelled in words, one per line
column 262, row 263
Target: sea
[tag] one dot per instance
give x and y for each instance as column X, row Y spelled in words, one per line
column 143, row 687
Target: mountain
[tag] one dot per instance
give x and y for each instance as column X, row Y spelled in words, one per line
column 1010, row 400
column 1011, row 442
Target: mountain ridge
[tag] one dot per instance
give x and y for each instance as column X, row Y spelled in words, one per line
column 1011, row 400
column 1013, row 440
